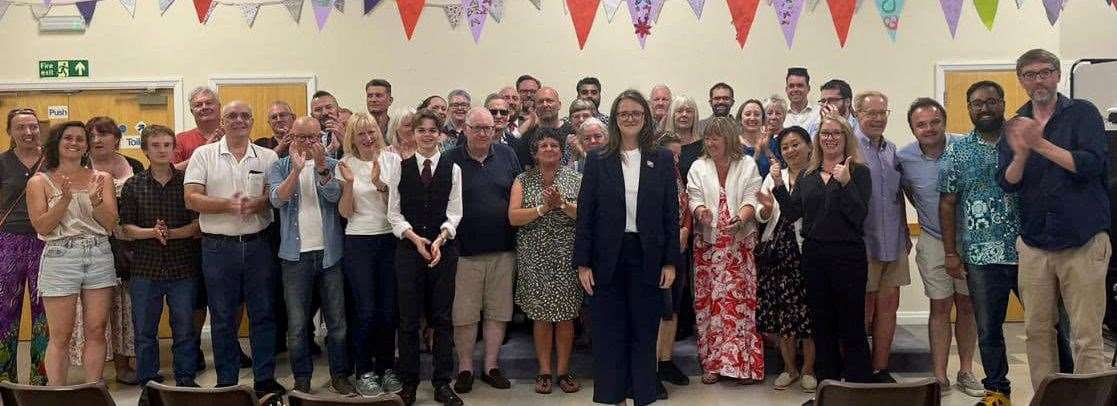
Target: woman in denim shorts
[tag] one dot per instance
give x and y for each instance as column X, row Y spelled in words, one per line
column 72, row 207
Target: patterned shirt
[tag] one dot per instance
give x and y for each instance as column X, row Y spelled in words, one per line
column 991, row 217
column 145, row 200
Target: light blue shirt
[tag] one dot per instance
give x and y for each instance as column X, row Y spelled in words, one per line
column 328, row 195
column 919, row 177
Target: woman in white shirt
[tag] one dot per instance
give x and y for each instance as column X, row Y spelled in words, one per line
column 367, row 170
column 722, row 188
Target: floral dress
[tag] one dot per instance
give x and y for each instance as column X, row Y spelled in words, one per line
column 783, row 291
column 547, row 286
column 725, row 302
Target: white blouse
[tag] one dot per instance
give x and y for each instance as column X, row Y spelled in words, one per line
column 370, row 207
column 774, row 217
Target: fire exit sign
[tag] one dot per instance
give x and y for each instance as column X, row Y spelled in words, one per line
column 76, row 68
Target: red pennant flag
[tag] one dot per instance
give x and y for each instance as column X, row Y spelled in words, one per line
column 202, row 7
column 842, row 13
column 409, row 11
column 743, row 12
column 582, row 13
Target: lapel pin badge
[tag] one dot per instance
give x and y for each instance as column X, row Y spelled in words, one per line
column 650, row 164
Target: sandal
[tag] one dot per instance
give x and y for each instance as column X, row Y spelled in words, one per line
column 568, row 383
column 710, row 379
column 543, row 384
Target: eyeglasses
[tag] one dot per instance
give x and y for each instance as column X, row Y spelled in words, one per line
column 831, row 134
column 245, row 116
column 987, row 104
column 830, row 100
column 1038, row 75
column 278, row 116
column 499, row 112
column 482, row 128
column 459, row 105
column 630, row 115
column 876, row 113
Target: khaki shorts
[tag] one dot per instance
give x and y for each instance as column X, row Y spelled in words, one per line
column 484, row 284
column 892, row 274
column 931, row 261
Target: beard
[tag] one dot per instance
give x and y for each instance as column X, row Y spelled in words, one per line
column 721, row 110
column 989, row 124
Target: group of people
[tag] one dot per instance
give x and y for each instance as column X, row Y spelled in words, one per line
column 432, row 226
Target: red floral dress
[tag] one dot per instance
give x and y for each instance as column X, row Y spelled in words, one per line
column 725, row 302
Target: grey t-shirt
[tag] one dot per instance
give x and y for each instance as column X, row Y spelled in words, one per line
column 13, row 181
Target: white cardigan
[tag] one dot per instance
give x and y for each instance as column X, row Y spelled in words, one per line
column 774, row 217
column 741, row 185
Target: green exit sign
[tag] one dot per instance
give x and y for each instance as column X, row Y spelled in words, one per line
column 76, row 68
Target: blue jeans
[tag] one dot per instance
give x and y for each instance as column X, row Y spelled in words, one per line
column 147, row 307
column 240, row 273
column 989, row 287
column 370, row 275
column 300, row 279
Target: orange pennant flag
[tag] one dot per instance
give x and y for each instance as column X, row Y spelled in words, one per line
column 842, row 13
column 743, row 12
column 582, row 13
column 202, row 8
column 409, row 11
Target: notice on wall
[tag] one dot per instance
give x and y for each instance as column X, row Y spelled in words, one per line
column 130, row 141
column 58, row 112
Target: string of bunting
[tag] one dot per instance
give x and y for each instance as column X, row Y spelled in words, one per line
column 644, row 14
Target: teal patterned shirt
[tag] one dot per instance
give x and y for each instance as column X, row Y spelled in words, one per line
column 991, row 217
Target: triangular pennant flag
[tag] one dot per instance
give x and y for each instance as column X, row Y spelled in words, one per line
column 3, row 8
column 201, row 7
column 987, row 10
column 657, row 7
column 409, row 11
column 696, row 6
column 643, row 17
column 476, row 12
column 890, row 14
column 858, row 8
column 250, row 10
column 1054, row 8
column 787, row 13
column 164, row 5
column 582, row 13
column 536, row 4
column 370, row 4
column 339, row 5
column 611, row 7
column 814, row 4
column 86, row 8
column 1020, row 3
column 951, row 9
column 841, row 11
column 322, row 10
column 129, row 6
column 743, row 13
column 453, row 14
column 39, row 10
column 295, row 7
column 497, row 10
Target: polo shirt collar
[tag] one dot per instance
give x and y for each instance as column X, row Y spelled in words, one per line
column 223, row 148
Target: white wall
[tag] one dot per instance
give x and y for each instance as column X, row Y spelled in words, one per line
column 686, row 54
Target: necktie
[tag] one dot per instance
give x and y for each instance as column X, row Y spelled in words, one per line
column 426, row 174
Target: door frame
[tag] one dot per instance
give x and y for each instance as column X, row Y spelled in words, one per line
column 173, row 83
column 941, row 68
column 310, row 80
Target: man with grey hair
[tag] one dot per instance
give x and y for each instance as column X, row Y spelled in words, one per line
column 580, row 111
column 592, row 134
column 205, row 107
column 511, row 96
column 483, row 284
column 459, row 104
column 660, row 98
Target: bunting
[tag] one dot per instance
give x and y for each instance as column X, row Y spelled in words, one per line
column 202, row 9
column 250, row 10
column 1020, row 3
column 86, row 8
column 696, row 6
column 409, row 11
column 611, row 7
column 951, row 9
column 582, row 13
column 1054, row 8
column 370, row 4
column 987, row 10
column 536, row 4
column 476, row 12
column 644, row 13
column 453, row 15
column 129, row 6
column 164, row 5
column 39, row 10
column 3, row 8
column 339, row 5
column 322, row 10
column 787, row 13
column 890, row 14
column 496, row 10
column 743, row 13
column 295, row 7
column 841, row 11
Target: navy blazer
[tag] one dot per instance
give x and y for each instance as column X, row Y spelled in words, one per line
column 601, row 215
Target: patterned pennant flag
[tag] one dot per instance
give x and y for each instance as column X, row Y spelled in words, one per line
column 536, row 4
column 322, row 10
column 476, row 12
column 3, row 8
column 409, row 11
column 164, row 5
column 582, row 13
column 339, row 5
column 987, row 10
column 1020, row 3
column 643, row 17
column 201, row 7
column 249, row 10
column 743, row 13
column 370, row 4
column 453, row 14
column 696, row 6
column 1054, row 8
column 497, row 10
column 86, row 8
column 295, row 7
column 951, row 9
column 787, row 13
column 611, row 7
column 129, row 6
column 841, row 11
column 890, row 14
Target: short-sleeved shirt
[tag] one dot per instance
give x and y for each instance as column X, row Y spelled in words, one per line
column 213, row 166
column 13, row 181
column 886, row 225
column 919, row 176
column 185, row 144
column 990, row 217
column 143, row 201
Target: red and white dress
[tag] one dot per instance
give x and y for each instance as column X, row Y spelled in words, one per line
column 725, row 301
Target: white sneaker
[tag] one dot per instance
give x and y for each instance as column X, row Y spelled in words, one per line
column 784, row 380
column 968, row 383
column 808, row 383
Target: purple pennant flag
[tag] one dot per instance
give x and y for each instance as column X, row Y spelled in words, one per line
column 476, row 12
column 643, row 13
column 787, row 13
column 322, row 9
column 952, row 9
column 86, row 8
column 370, row 4
column 1054, row 8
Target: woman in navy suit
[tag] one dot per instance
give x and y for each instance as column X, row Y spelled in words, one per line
column 626, row 253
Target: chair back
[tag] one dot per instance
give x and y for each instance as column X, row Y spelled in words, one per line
column 924, row 392
column 1077, row 389
column 87, row 394
column 164, row 395
column 296, row 398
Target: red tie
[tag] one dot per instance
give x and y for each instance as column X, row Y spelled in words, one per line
column 426, row 174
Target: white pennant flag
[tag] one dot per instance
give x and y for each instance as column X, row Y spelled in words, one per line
column 164, row 5
column 129, row 6
column 39, row 10
column 536, row 4
column 611, row 7
column 496, row 10
column 3, row 8
column 295, row 7
column 250, row 10
column 814, row 3
column 339, row 5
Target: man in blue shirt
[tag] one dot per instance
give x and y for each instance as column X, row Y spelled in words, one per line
column 1055, row 156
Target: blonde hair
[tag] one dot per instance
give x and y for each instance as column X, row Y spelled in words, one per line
column 356, row 123
column 677, row 103
column 729, row 130
column 852, row 146
column 396, row 117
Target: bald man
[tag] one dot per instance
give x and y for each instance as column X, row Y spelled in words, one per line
column 545, row 114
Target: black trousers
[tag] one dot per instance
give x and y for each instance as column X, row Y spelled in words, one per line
column 626, row 312
column 836, row 274
column 414, row 282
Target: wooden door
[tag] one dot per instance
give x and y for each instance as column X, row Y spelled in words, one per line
column 261, row 96
column 958, row 121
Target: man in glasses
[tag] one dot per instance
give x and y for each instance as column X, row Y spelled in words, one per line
column 280, row 119
column 502, row 113
column 1055, row 156
column 460, row 102
column 836, row 98
column 721, row 103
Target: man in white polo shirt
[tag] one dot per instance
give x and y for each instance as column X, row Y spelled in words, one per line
column 225, row 183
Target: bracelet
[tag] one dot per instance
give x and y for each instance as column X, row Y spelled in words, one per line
column 950, row 254
column 539, row 210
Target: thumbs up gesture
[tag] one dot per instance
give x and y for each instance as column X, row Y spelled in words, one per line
column 841, row 172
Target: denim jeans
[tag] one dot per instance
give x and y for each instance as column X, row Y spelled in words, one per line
column 300, row 280
column 989, row 291
column 370, row 276
column 240, row 273
column 147, row 307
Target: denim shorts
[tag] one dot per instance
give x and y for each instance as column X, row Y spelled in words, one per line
column 72, row 264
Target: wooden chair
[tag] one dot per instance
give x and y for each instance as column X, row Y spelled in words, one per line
column 165, row 395
column 87, row 394
column 924, row 392
column 296, row 398
column 1077, row 389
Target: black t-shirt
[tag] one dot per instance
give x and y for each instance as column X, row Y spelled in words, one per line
column 13, row 181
